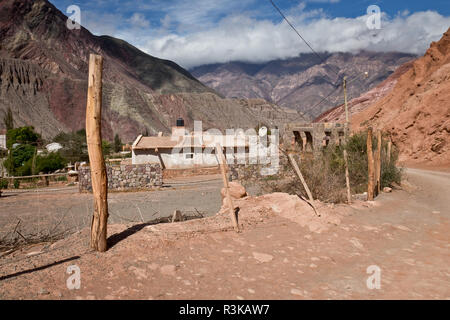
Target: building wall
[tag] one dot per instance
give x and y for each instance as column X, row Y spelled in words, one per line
column 2, row 141
column 124, row 177
column 182, row 160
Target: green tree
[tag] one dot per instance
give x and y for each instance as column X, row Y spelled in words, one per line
column 8, row 120
column 106, row 148
column 22, row 135
column 74, row 145
column 20, row 160
column 117, row 143
column 50, row 163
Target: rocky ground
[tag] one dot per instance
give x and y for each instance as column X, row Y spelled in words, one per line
column 404, row 233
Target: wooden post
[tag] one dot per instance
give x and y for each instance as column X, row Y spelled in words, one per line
column 96, row 160
column 389, row 150
column 299, row 174
column 370, row 166
column 378, row 164
column 223, row 169
column 347, row 127
column 347, row 178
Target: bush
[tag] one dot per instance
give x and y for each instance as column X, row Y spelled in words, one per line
column 16, row 183
column 324, row 172
column 50, row 163
column 20, row 160
column 3, row 184
column 74, row 145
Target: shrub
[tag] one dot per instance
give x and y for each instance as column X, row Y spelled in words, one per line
column 16, row 183
column 324, row 172
column 50, row 163
column 3, row 183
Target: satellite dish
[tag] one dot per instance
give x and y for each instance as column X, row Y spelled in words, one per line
column 262, row 131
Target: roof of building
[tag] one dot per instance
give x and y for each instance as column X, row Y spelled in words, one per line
column 145, row 143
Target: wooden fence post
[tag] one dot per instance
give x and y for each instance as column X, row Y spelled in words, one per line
column 370, row 164
column 97, row 163
column 389, row 150
column 223, row 169
column 299, row 174
column 378, row 163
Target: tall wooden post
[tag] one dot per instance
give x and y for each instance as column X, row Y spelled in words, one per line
column 347, row 127
column 370, row 166
column 389, row 150
column 96, row 160
column 378, row 164
column 223, row 169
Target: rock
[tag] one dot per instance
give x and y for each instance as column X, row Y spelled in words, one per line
column 387, row 189
column 262, row 257
column 43, row 291
column 237, row 191
column 296, row 292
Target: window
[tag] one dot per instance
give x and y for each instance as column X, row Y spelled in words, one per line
column 189, row 156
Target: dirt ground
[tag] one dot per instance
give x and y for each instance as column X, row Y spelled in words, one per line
column 54, row 210
column 405, row 233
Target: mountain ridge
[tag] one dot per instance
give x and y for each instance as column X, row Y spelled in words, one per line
column 141, row 93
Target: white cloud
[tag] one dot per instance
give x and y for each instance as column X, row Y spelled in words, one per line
column 192, row 37
column 241, row 38
column 138, row 20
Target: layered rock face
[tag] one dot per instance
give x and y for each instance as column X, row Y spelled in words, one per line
column 43, row 74
column 416, row 110
column 301, row 83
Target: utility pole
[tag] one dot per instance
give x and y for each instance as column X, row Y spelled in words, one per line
column 346, row 128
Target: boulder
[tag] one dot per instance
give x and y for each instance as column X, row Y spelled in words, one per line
column 237, row 191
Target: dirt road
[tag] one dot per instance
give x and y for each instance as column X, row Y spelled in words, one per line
column 405, row 233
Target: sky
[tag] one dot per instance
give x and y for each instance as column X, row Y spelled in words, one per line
column 198, row 32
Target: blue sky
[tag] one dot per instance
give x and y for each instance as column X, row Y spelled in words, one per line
column 207, row 31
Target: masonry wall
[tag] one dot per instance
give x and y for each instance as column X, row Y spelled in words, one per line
column 125, row 177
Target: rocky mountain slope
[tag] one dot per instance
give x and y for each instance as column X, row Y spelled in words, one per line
column 302, row 82
column 43, row 79
column 416, row 112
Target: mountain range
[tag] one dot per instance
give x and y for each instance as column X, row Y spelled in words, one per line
column 302, row 83
column 43, row 80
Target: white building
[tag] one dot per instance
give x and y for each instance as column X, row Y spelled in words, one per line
column 186, row 151
column 2, row 139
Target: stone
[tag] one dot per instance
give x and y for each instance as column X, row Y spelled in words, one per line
column 262, row 257
column 237, row 191
column 387, row 189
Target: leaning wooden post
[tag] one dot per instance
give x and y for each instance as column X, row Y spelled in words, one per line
column 370, row 166
column 223, row 169
column 97, row 163
column 299, row 174
column 378, row 163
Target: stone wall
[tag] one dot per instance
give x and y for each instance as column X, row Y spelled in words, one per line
column 249, row 175
column 125, row 177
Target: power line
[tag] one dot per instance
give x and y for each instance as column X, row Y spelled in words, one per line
column 322, row 60
column 298, row 33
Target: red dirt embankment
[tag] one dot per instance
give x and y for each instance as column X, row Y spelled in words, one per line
column 416, row 112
